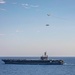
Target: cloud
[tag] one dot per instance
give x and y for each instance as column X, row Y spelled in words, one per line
column 35, row 6
column 38, row 31
column 14, row 3
column 2, row 34
column 2, row 9
column 29, row 6
column 18, row 31
column 25, row 5
column 2, row 1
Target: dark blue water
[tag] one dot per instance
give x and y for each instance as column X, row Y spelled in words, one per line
column 67, row 69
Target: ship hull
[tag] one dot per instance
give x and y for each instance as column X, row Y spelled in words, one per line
column 33, row 62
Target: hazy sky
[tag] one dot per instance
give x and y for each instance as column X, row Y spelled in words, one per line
column 23, row 30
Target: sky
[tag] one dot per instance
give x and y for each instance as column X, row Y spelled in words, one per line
column 23, row 30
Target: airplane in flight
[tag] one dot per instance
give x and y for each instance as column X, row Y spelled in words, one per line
column 47, row 24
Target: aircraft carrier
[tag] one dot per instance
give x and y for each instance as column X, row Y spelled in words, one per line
column 42, row 61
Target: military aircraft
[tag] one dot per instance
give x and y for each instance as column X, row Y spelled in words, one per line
column 48, row 15
column 47, row 24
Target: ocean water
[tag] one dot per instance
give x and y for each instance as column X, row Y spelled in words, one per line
column 12, row 69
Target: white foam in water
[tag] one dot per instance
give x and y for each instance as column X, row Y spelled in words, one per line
column 69, row 64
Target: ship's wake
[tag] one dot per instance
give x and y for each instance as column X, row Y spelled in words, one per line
column 69, row 64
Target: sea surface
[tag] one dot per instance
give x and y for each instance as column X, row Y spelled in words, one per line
column 12, row 69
